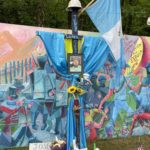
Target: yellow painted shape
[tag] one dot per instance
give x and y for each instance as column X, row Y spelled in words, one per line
column 68, row 45
column 136, row 57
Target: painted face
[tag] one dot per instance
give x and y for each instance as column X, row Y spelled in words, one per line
column 75, row 62
column 123, row 70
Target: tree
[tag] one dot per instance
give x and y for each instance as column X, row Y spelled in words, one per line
column 134, row 17
column 52, row 13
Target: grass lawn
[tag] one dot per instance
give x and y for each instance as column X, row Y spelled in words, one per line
column 130, row 143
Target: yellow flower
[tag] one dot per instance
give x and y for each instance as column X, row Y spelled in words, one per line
column 75, row 90
column 72, row 89
column 80, row 91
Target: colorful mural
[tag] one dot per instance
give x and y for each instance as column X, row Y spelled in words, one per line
column 123, row 110
column 30, row 109
column 34, row 98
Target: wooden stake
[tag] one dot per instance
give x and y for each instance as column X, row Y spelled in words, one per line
column 82, row 10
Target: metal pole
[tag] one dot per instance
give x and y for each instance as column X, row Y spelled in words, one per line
column 74, row 17
column 74, row 6
column 74, row 21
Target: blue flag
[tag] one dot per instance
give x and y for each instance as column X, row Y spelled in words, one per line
column 106, row 16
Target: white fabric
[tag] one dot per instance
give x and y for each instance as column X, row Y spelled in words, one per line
column 113, row 39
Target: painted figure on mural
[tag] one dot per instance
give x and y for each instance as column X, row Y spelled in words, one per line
column 50, row 88
column 37, row 82
column 101, row 82
column 94, row 119
column 43, row 80
column 17, row 112
column 143, row 99
column 96, row 90
column 120, row 98
column 21, row 135
column 9, row 101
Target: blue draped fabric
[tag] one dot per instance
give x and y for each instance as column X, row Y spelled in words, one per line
column 104, row 14
column 95, row 51
column 55, row 47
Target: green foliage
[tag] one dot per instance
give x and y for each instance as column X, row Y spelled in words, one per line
column 52, row 13
column 134, row 17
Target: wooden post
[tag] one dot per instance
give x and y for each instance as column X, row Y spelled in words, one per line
column 89, row 4
column 75, row 29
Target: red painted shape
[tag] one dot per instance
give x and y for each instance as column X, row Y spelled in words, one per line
column 143, row 116
column 146, row 52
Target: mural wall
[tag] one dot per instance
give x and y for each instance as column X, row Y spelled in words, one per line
column 34, row 98
column 125, row 109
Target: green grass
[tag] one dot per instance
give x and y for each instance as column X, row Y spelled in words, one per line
column 130, row 143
